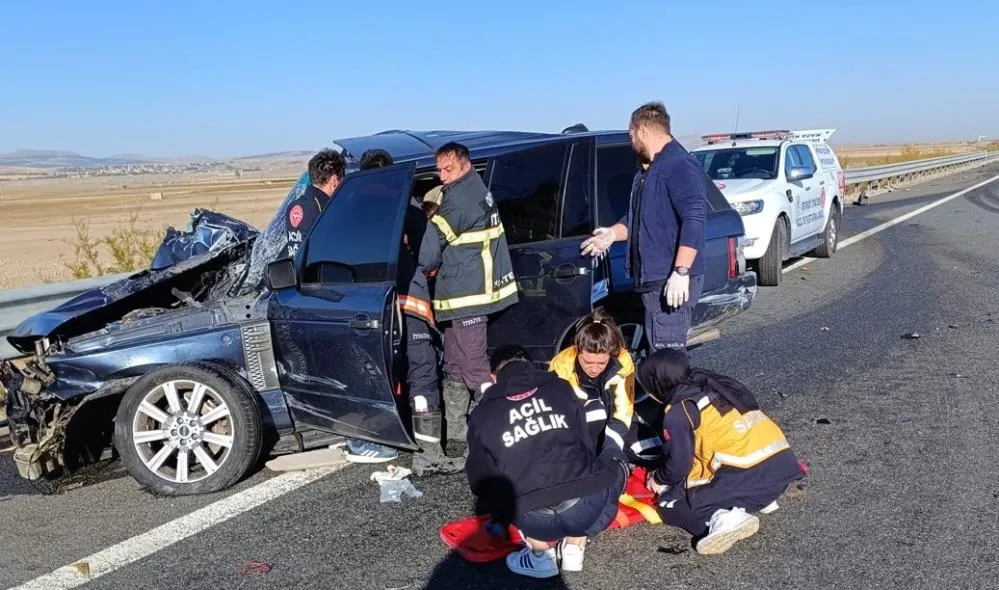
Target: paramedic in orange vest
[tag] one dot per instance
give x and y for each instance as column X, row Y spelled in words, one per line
column 725, row 459
column 602, row 375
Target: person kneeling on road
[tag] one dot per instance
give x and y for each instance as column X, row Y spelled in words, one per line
column 532, row 462
column 602, row 374
column 725, row 459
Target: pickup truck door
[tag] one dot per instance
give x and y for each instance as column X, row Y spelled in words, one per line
column 800, row 193
column 545, row 195
column 338, row 332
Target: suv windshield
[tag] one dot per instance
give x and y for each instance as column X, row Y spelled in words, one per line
column 745, row 162
column 272, row 240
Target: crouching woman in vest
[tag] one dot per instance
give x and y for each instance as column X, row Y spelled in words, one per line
column 599, row 368
column 725, row 459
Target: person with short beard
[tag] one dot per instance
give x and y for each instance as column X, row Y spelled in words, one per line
column 664, row 228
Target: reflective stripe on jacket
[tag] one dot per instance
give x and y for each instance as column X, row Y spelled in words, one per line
column 734, row 440
column 476, row 274
column 617, row 398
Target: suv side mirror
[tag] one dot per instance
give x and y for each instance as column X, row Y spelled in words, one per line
column 281, row 274
column 800, row 173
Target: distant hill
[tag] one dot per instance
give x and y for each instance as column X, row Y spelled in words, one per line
column 56, row 159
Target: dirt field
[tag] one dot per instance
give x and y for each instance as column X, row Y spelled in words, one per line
column 37, row 229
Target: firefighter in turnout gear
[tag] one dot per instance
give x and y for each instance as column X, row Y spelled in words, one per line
column 421, row 354
column 474, row 279
column 724, row 458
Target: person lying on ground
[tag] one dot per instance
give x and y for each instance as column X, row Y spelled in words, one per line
column 531, row 462
column 599, row 368
column 724, row 458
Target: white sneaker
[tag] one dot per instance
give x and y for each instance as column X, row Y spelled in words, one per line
column 770, row 508
column 527, row 562
column 725, row 528
column 572, row 557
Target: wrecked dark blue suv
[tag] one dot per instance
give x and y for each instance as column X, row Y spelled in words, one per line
column 220, row 352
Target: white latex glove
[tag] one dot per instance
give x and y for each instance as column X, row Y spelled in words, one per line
column 677, row 289
column 602, row 240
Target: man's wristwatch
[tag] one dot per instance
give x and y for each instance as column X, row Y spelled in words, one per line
column 682, row 270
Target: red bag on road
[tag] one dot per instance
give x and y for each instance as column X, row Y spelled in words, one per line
column 470, row 538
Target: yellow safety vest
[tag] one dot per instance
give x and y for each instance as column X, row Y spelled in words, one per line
column 734, row 440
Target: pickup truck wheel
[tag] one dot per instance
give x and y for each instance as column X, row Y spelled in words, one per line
column 830, row 236
column 772, row 262
column 189, row 429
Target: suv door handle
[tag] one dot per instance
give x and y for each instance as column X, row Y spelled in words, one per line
column 569, row 271
column 363, row 322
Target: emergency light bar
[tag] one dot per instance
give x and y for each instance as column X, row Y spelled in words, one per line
column 812, row 135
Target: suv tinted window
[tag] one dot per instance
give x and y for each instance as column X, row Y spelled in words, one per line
column 576, row 220
column 527, row 186
column 357, row 237
column 616, row 167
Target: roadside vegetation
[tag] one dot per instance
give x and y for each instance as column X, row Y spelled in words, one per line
column 908, row 153
column 128, row 248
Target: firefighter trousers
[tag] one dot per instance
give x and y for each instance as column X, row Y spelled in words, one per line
column 422, row 365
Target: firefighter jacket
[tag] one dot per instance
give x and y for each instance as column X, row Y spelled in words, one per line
column 699, row 440
column 609, row 400
column 476, row 274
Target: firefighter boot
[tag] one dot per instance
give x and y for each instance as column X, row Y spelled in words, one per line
column 432, row 460
column 456, row 399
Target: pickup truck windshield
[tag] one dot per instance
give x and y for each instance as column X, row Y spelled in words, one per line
column 745, row 162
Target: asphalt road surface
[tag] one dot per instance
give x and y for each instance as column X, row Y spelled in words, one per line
column 904, row 485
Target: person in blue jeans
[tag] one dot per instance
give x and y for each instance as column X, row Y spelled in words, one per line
column 532, row 463
column 664, row 228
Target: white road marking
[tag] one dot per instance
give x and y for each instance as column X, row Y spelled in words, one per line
column 880, row 228
column 131, row 550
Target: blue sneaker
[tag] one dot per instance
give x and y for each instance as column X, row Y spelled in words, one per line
column 363, row 451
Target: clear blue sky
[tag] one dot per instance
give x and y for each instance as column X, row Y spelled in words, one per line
column 235, row 78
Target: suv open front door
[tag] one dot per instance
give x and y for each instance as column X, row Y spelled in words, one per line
column 338, row 333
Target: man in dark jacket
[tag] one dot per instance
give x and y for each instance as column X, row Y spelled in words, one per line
column 664, row 228
column 326, row 172
column 475, row 278
column 531, row 461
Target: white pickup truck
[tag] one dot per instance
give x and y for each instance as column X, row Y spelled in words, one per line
column 787, row 185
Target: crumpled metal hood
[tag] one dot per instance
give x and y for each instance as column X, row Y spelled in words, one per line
column 209, row 234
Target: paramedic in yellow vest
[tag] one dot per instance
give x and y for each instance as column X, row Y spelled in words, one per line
column 602, row 375
column 725, row 459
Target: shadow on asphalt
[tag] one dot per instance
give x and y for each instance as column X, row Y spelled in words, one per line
column 456, row 572
column 12, row 484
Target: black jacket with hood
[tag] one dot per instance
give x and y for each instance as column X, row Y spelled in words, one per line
column 528, row 439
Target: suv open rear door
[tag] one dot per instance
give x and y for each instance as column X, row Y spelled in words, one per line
column 337, row 332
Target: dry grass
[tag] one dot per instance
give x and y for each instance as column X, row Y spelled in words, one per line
column 861, row 157
column 57, row 230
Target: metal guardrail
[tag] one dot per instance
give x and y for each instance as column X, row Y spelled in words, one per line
column 16, row 305
column 876, row 176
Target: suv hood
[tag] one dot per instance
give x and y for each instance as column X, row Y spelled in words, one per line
column 189, row 266
column 740, row 187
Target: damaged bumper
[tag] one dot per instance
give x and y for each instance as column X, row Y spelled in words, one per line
column 37, row 422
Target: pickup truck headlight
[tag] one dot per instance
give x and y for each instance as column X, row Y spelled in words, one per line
column 748, row 207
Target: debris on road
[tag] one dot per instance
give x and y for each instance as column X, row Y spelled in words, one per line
column 324, row 457
column 257, row 568
column 824, row 329
column 911, row 336
column 823, row 421
column 394, row 485
column 957, row 376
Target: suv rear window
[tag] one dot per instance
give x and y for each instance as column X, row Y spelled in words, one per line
column 616, row 167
